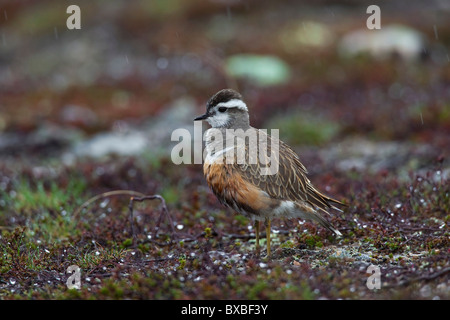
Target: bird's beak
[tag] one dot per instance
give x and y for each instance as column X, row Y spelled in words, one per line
column 202, row 117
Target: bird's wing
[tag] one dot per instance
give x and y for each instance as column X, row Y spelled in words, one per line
column 289, row 182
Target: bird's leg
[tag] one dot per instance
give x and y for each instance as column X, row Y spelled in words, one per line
column 257, row 234
column 267, row 223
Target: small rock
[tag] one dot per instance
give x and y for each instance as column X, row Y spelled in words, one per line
column 425, row 291
column 362, row 154
column 154, row 136
column 129, row 143
column 264, row 70
column 75, row 114
column 381, row 44
column 305, row 35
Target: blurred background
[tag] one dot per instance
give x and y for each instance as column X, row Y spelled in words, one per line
column 88, row 111
column 139, row 69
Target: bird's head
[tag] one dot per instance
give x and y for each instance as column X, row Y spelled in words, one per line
column 226, row 109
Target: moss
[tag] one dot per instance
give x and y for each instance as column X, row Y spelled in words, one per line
column 304, row 129
column 208, row 232
column 127, row 243
column 287, row 244
column 182, row 262
column 256, row 291
column 311, row 241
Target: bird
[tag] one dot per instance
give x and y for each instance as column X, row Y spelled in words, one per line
column 244, row 186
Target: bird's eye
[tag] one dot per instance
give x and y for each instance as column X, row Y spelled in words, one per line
column 222, row 109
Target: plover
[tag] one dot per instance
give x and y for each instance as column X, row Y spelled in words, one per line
column 245, row 184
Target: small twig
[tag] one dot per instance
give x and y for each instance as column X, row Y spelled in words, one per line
column 431, row 229
column 243, row 236
column 135, row 196
column 105, row 195
column 426, row 278
column 164, row 211
column 189, row 239
column 100, row 275
column 202, row 234
column 159, row 259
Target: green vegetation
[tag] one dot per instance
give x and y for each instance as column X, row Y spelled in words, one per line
column 301, row 128
column 43, row 243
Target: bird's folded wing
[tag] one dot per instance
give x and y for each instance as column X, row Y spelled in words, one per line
column 289, row 182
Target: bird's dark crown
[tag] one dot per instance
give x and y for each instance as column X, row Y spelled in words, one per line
column 224, row 95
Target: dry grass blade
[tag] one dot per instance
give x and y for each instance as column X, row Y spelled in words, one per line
column 106, row 195
column 135, row 196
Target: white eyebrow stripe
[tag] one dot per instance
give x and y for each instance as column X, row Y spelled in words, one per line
column 233, row 103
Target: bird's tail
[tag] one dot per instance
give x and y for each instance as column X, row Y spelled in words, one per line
column 311, row 214
column 324, row 223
